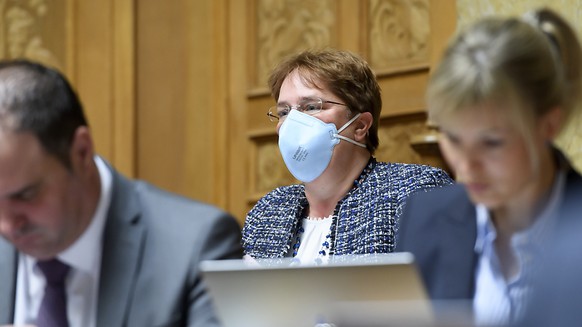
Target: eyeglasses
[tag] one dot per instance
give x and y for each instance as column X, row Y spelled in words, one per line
column 309, row 106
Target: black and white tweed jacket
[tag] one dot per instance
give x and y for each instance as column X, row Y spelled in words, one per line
column 365, row 220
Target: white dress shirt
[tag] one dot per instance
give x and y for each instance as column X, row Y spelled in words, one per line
column 498, row 301
column 84, row 258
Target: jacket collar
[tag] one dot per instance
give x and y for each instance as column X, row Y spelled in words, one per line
column 123, row 242
column 8, row 266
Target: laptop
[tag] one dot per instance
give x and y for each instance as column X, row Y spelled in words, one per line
column 282, row 293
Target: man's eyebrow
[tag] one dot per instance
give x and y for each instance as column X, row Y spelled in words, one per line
column 21, row 192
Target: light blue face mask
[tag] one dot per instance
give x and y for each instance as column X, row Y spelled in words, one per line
column 306, row 144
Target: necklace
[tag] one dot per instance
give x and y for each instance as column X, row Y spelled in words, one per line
column 318, row 218
column 325, row 245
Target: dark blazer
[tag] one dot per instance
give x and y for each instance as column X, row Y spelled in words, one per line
column 152, row 244
column 557, row 296
column 439, row 227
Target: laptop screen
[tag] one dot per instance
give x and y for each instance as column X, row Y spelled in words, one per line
column 281, row 293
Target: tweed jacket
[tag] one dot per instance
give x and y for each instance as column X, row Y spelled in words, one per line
column 365, row 220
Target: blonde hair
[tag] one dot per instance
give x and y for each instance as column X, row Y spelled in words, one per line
column 529, row 64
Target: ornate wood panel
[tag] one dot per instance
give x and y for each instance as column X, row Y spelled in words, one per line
column 398, row 35
column 91, row 43
column 31, row 29
column 283, row 27
column 176, row 90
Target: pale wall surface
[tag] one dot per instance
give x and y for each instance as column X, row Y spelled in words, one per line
column 469, row 10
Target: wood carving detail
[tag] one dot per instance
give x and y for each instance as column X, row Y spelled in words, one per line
column 22, row 26
column 396, row 135
column 399, row 32
column 271, row 171
column 287, row 26
column 395, row 141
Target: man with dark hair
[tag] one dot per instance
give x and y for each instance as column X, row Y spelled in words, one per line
column 82, row 245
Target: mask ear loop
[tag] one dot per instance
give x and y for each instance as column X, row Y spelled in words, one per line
column 337, row 135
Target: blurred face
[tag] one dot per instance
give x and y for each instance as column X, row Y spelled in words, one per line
column 489, row 155
column 40, row 200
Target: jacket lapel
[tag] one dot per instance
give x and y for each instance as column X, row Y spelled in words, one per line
column 8, row 266
column 123, row 242
column 571, row 208
column 459, row 245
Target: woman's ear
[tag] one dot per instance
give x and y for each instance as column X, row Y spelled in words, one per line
column 363, row 124
column 551, row 123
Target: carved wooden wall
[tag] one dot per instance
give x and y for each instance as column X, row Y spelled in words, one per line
column 176, row 90
column 182, row 97
column 399, row 38
column 30, row 30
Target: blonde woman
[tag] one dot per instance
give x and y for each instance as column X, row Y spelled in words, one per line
column 499, row 97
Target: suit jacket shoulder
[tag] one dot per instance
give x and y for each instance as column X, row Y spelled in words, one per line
column 8, row 267
column 557, row 293
column 439, row 228
column 152, row 245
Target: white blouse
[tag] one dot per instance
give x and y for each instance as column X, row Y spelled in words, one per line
column 315, row 233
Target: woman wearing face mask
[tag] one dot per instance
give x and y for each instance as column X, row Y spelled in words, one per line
column 328, row 106
column 499, row 96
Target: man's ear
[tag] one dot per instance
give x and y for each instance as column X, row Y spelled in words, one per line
column 82, row 150
column 363, row 124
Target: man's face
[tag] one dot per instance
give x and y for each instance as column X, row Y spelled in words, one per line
column 40, row 199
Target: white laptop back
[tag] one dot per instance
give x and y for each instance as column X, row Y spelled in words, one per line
column 280, row 293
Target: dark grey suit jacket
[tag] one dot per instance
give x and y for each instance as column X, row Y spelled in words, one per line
column 557, row 297
column 440, row 228
column 152, row 244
